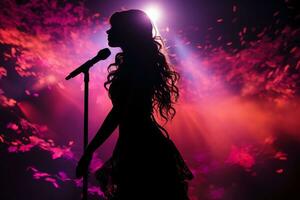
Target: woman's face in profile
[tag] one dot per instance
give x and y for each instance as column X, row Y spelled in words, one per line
column 114, row 36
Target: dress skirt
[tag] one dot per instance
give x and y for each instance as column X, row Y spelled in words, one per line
column 145, row 165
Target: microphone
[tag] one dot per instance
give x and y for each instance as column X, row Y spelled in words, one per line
column 102, row 55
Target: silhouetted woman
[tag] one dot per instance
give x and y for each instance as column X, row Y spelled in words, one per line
column 145, row 163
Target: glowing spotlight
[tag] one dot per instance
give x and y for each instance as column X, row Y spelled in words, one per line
column 153, row 13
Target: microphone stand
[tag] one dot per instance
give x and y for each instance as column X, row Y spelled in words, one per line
column 102, row 55
column 85, row 136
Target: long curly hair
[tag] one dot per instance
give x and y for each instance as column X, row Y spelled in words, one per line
column 163, row 78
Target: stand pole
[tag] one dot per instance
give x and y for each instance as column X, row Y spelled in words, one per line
column 85, row 138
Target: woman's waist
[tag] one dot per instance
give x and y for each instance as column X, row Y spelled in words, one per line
column 133, row 117
column 138, row 124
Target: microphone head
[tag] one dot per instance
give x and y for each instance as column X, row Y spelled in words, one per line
column 103, row 54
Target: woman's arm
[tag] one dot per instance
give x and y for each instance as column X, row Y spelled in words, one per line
column 108, row 126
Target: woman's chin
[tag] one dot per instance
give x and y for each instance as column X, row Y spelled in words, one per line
column 112, row 44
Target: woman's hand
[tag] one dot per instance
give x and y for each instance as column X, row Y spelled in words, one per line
column 83, row 164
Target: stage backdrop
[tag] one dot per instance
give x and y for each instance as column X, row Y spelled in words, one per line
column 237, row 122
